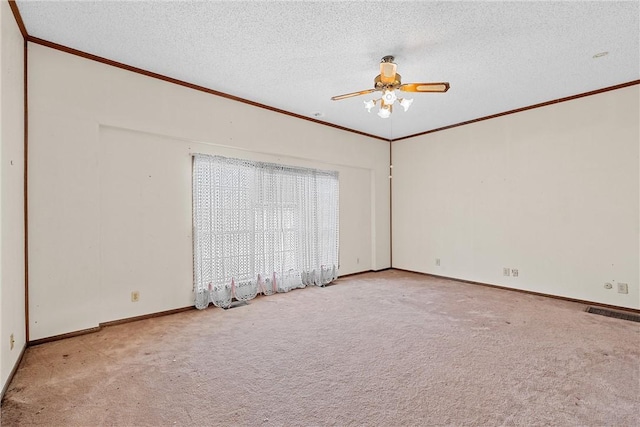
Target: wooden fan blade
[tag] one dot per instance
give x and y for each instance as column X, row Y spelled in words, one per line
column 388, row 72
column 349, row 95
column 425, row 87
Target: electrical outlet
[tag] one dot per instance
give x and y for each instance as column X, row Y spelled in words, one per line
column 623, row 288
column 514, row 272
column 135, row 296
column 438, row 262
column 506, row 271
column 11, row 341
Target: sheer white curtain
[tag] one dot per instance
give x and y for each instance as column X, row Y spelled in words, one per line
column 261, row 228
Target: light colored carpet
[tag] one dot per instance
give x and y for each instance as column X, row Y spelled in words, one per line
column 387, row 349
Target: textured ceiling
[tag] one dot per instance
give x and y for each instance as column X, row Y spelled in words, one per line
column 498, row 56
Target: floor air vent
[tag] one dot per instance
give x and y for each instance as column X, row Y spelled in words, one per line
column 614, row 313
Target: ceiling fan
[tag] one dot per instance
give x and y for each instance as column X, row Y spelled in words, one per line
column 387, row 82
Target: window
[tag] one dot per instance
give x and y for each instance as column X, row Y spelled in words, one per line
column 261, row 226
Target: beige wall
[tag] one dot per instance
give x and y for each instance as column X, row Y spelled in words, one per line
column 110, row 190
column 11, row 192
column 551, row 191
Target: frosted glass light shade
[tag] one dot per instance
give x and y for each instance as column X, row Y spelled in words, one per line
column 406, row 103
column 369, row 105
column 389, row 97
column 384, row 112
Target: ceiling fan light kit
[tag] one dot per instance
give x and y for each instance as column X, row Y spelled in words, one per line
column 387, row 82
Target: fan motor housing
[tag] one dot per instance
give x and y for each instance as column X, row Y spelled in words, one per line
column 377, row 83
